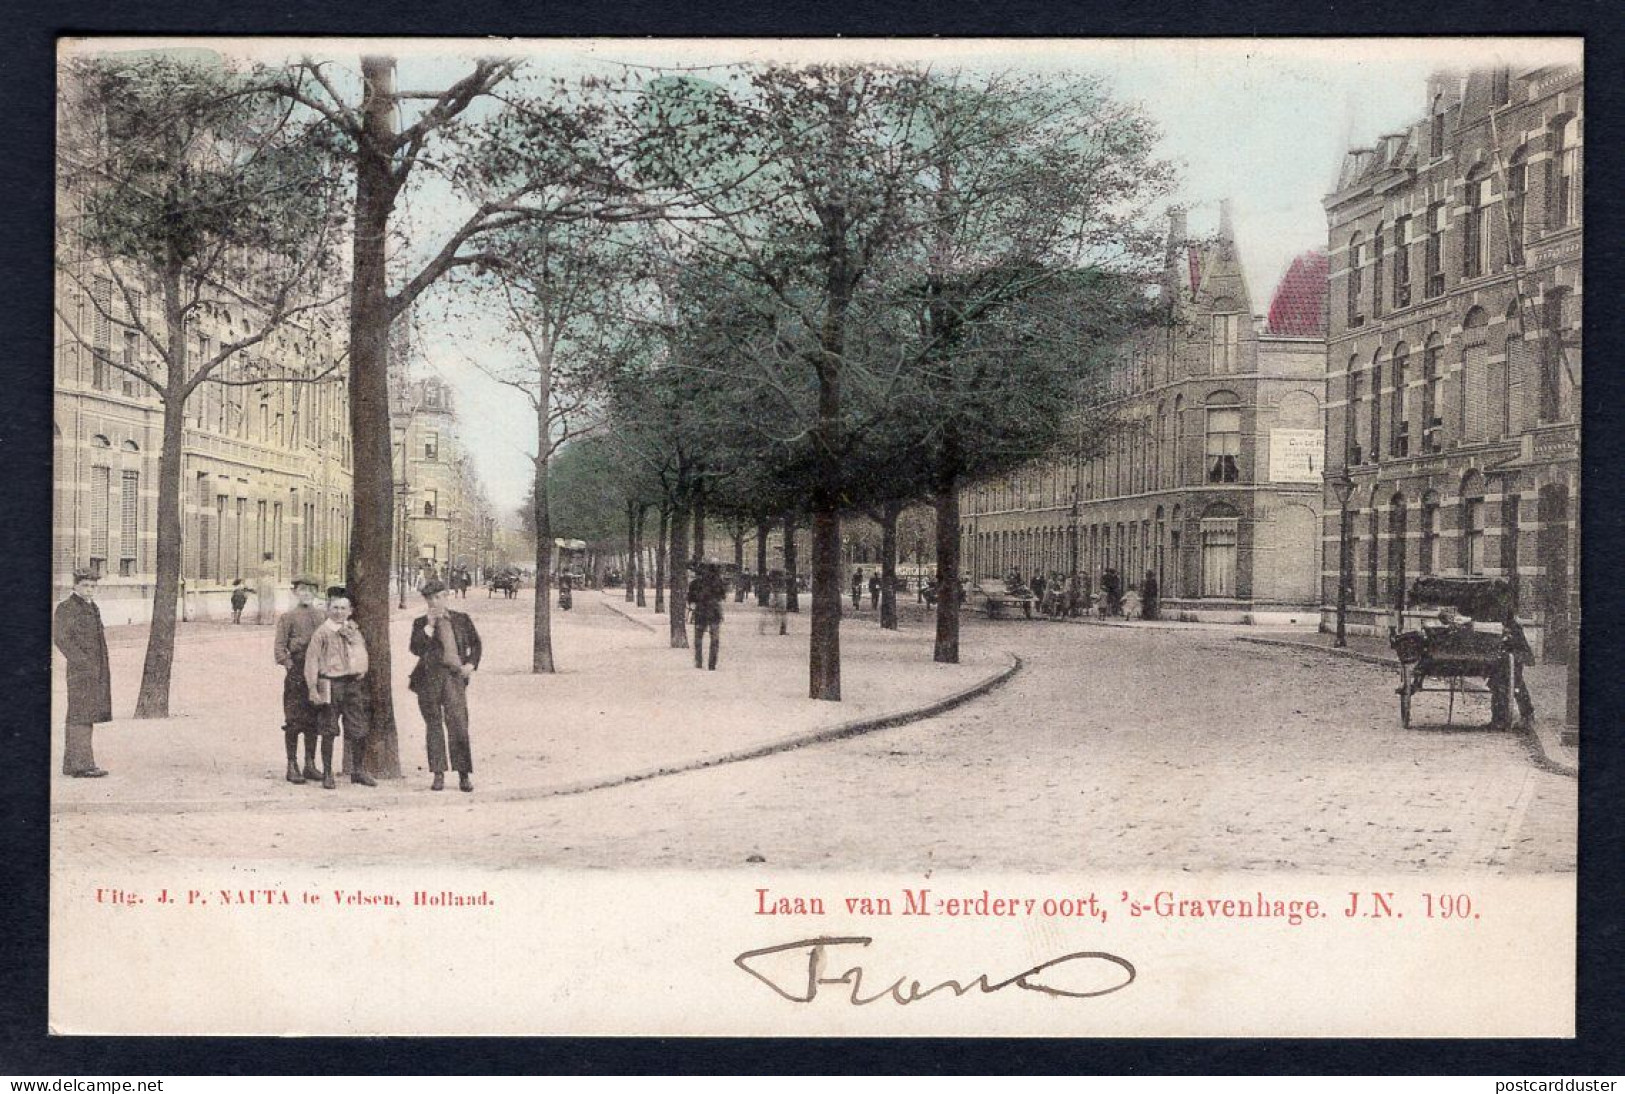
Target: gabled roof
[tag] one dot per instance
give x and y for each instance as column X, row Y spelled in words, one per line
column 1298, row 308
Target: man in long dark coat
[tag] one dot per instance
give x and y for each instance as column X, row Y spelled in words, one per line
column 83, row 642
column 705, row 595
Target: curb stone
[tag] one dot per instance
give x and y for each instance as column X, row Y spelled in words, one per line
column 839, row 732
column 1539, row 753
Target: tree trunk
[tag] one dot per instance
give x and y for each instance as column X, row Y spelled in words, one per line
column 661, row 539
column 948, row 605
column 153, row 700
column 888, row 565
column 643, row 511
column 792, row 595
column 699, row 525
column 761, row 564
column 676, row 573
column 372, row 474
column 541, row 633
column 631, row 547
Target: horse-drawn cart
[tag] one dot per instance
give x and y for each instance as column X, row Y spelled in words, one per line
column 1476, row 637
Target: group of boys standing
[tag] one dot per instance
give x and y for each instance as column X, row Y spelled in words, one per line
column 324, row 689
column 324, row 692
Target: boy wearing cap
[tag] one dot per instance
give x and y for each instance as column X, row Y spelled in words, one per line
column 83, row 641
column 336, row 678
column 294, row 629
column 448, row 650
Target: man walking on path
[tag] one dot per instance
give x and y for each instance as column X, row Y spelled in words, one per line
column 874, row 591
column 448, row 651
column 83, row 642
column 335, row 675
column 774, row 585
column 294, row 629
column 705, row 595
column 857, row 589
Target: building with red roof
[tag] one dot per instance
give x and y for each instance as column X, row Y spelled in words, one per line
column 1213, row 482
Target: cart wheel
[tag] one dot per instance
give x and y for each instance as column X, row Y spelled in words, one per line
column 1404, row 698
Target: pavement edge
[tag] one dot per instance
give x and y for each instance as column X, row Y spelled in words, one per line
column 1539, row 748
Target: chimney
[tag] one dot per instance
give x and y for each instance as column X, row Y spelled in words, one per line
column 1171, row 257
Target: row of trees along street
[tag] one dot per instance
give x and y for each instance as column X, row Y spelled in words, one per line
column 767, row 297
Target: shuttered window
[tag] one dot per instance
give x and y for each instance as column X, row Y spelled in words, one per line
column 100, row 484
column 129, row 523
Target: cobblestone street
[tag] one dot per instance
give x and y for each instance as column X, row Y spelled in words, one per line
column 1114, row 748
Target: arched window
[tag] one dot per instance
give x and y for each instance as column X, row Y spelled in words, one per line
column 1517, row 201
column 1356, row 260
column 1220, row 538
column 1428, row 558
column 1472, row 523
column 1438, row 216
column 1399, row 427
column 1475, row 378
column 130, row 446
column 1396, row 551
column 1379, row 262
column 1375, row 423
column 1402, row 262
column 1433, row 394
column 1179, row 440
column 1475, row 252
column 100, row 441
column 1351, row 415
column 1563, row 172
column 1226, row 335
column 1555, row 322
column 1223, row 437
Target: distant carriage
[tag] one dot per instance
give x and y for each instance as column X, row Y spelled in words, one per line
column 506, row 582
column 1489, row 646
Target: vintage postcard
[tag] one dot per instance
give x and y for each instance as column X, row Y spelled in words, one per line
column 854, row 538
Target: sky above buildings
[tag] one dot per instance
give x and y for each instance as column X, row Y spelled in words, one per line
column 1262, row 122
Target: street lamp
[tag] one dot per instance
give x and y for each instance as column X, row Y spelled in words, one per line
column 1343, row 489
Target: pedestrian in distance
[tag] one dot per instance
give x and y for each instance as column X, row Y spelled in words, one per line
column 294, row 629
column 874, row 591
column 705, row 594
column 265, row 594
column 565, row 598
column 777, row 589
column 1111, row 587
column 336, row 675
column 448, row 650
column 857, row 589
column 239, row 599
column 1131, row 603
column 1150, row 596
column 79, row 634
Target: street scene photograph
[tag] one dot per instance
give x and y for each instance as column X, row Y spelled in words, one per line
column 583, row 459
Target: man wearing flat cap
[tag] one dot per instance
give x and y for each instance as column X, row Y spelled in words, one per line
column 83, row 641
column 448, row 650
column 293, row 631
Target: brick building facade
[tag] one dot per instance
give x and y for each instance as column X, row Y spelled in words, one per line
column 1453, row 364
column 1211, row 479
